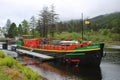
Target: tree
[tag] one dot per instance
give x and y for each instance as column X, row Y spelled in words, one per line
column 8, row 23
column 3, row 31
column 71, row 26
column 25, row 27
column 20, row 29
column 60, row 27
column 47, row 20
column 12, row 32
column 116, row 26
column 53, row 20
column 6, row 27
column 32, row 24
column 39, row 27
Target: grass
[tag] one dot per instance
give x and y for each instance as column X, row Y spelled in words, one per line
column 10, row 69
column 2, row 55
column 12, row 73
column 2, row 38
column 95, row 37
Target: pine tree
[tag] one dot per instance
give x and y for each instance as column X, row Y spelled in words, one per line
column 20, row 29
column 25, row 27
column 12, row 32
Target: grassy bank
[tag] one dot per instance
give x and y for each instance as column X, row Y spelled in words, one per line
column 10, row 69
column 96, row 37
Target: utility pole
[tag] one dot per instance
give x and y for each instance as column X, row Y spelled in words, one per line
column 82, row 25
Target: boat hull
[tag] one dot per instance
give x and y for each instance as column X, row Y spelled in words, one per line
column 90, row 57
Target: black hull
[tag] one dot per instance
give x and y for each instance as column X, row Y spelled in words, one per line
column 91, row 58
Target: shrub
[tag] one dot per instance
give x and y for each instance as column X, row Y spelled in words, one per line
column 3, row 77
column 8, row 61
column 2, row 55
column 30, row 74
column 12, row 63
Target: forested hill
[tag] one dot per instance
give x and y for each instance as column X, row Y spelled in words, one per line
column 108, row 21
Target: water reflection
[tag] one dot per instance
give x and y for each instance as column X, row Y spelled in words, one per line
column 112, row 56
column 81, row 73
column 65, row 72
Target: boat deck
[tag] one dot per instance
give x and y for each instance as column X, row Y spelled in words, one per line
column 34, row 54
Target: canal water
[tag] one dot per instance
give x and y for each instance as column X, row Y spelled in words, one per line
column 108, row 70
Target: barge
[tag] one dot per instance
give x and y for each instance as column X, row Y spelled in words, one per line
column 68, row 52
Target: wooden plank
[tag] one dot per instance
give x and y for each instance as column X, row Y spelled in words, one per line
column 34, row 54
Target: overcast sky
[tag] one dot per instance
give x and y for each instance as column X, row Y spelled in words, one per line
column 18, row 10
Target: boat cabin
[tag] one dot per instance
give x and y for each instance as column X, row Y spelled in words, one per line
column 67, row 43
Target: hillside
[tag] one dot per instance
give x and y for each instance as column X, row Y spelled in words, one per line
column 107, row 21
column 103, row 28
